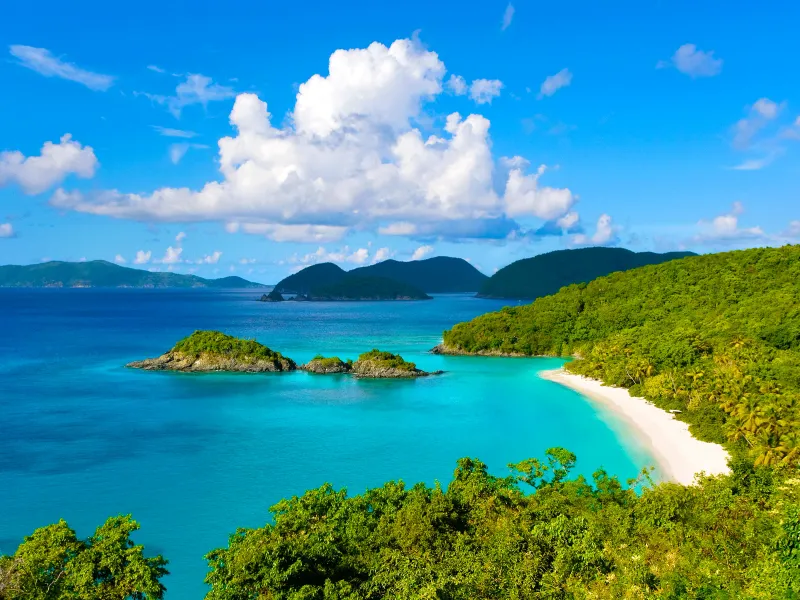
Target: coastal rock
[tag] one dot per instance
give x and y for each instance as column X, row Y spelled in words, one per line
column 372, row 369
column 273, row 296
column 327, row 366
column 207, row 363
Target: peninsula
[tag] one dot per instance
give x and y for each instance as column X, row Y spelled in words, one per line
column 209, row 351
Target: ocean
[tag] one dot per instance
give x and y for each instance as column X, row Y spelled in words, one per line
column 194, row 456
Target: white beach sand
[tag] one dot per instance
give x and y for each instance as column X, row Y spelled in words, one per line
column 679, row 456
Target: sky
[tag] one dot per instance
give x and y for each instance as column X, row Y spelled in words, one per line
column 256, row 138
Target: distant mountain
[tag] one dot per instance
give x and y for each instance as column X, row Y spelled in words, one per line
column 311, row 277
column 354, row 287
column 545, row 274
column 101, row 273
column 435, row 275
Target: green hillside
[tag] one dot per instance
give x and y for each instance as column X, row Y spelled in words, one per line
column 715, row 336
column 545, row 274
column 101, row 273
column 311, row 277
column 441, row 274
column 352, row 287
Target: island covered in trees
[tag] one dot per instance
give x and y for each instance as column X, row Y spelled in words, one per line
column 214, row 351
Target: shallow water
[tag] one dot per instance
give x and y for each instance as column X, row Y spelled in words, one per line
column 192, row 457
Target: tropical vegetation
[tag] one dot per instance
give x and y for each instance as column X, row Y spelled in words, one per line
column 545, row 274
column 716, row 337
column 218, row 343
column 386, row 360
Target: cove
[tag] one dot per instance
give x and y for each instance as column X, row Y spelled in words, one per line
column 193, row 457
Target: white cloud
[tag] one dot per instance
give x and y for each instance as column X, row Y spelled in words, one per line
column 421, row 252
column 197, row 89
column 725, row 228
column 172, row 256
column 119, row 259
column 6, row 230
column 155, row 68
column 43, row 62
column 457, row 85
column 524, row 196
column 180, row 237
column 508, row 15
column 553, row 83
column 401, row 228
column 568, row 221
column 247, row 261
column 352, row 155
column 343, row 255
column 759, row 115
column 793, row 231
column 605, row 234
column 754, row 164
column 178, row 133
column 142, row 257
column 482, row 91
column 35, row 174
column 210, row 259
column 693, row 62
column 178, row 151
column 382, row 254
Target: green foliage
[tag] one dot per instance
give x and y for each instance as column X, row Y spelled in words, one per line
column 331, row 361
column 484, row 537
column 216, row 342
column 352, row 287
column 545, row 274
column 101, row 273
column 716, row 337
column 53, row 564
column 386, row 360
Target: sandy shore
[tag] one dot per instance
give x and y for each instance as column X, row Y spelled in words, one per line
column 679, row 456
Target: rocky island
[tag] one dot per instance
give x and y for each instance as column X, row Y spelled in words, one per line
column 370, row 365
column 209, row 351
column 273, row 296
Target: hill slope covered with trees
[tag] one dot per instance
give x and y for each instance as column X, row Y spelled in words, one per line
column 545, row 274
column 715, row 336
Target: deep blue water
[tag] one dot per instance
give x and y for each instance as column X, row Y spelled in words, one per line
column 192, row 457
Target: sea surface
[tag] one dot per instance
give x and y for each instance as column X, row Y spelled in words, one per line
column 194, row 456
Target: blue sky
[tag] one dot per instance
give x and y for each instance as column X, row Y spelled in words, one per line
column 255, row 139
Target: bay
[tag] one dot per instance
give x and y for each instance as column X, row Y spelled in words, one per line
column 193, row 457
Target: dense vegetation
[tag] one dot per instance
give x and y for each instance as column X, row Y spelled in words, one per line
column 216, row 342
column 538, row 533
column 545, row 274
column 353, row 287
column 386, row 360
column 436, row 275
column 53, row 564
column 331, row 361
column 440, row 274
column 715, row 336
column 100, row 273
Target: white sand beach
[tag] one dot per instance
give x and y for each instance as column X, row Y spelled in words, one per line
column 678, row 454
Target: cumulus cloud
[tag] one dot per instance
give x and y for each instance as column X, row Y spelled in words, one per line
column 142, row 257
column 693, row 62
column 759, row 115
column 382, row 254
column 119, row 259
column 6, row 230
column 352, row 156
column 180, row 237
column 605, row 234
column 421, row 252
column 553, row 83
column 210, row 259
column 457, row 85
column 172, row 255
column 36, row 174
column 43, row 62
column 508, row 16
column 482, row 91
column 196, row 89
column 343, row 255
column 725, row 228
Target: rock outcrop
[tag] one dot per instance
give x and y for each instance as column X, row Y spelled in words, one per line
column 207, row 363
column 327, row 366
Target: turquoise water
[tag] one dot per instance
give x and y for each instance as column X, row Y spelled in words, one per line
column 192, row 457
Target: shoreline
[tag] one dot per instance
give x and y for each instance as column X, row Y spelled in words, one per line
column 679, row 456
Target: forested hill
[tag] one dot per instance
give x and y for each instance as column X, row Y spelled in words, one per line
column 545, row 274
column 440, row 274
column 715, row 336
column 101, row 273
